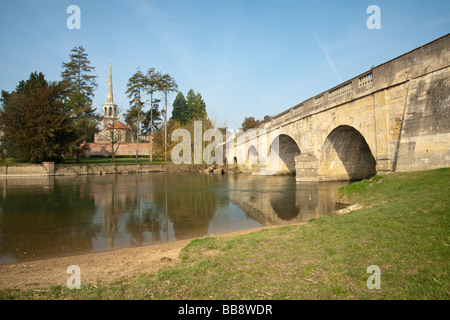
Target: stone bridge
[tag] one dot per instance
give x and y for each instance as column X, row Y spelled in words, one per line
column 394, row 117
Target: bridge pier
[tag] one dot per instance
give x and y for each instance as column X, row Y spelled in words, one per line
column 384, row 166
column 306, row 168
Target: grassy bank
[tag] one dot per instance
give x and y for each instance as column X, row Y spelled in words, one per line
column 117, row 160
column 404, row 229
column 92, row 160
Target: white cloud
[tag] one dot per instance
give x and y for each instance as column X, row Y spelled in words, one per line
column 328, row 57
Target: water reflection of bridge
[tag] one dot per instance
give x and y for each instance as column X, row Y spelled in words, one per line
column 280, row 201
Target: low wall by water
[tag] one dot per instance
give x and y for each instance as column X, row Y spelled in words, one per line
column 23, row 170
column 52, row 169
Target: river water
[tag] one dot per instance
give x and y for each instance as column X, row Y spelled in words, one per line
column 43, row 217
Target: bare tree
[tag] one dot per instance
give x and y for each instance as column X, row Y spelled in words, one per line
column 114, row 133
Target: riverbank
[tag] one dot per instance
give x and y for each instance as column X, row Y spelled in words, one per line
column 61, row 169
column 100, row 168
column 100, row 267
column 403, row 229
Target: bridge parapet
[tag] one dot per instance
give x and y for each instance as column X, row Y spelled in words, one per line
column 425, row 59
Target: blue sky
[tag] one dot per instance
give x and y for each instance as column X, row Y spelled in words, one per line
column 246, row 58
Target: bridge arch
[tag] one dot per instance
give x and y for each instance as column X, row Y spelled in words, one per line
column 346, row 156
column 285, row 154
column 252, row 156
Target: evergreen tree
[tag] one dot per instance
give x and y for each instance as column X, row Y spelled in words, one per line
column 135, row 88
column 190, row 108
column 36, row 80
column 153, row 84
column 79, row 84
column 35, row 124
column 155, row 117
column 196, row 107
column 167, row 85
column 179, row 111
column 133, row 116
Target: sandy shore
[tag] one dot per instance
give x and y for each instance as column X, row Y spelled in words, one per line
column 97, row 267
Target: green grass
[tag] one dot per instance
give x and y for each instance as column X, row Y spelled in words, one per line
column 11, row 162
column 404, row 230
column 117, row 160
column 93, row 160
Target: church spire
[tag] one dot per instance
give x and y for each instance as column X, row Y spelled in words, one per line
column 109, row 98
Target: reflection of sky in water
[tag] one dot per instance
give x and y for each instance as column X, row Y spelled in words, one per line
column 58, row 216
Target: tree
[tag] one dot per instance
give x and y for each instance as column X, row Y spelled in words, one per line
column 196, row 107
column 152, row 85
column 190, row 108
column 172, row 125
column 133, row 117
column 36, row 80
column 186, row 111
column 250, row 123
column 35, row 124
column 115, row 134
column 79, row 84
column 179, row 111
column 266, row 119
column 167, row 85
column 151, row 119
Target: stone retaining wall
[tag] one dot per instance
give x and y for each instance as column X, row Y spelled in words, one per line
column 51, row 169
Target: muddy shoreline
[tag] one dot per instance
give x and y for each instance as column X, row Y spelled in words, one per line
column 97, row 267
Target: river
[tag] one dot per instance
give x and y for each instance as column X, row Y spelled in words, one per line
column 46, row 217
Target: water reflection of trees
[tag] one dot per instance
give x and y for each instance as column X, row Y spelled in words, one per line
column 157, row 208
column 190, row 202
column 45, row 217
column 117, row 197
column 68, row 215
column 144, row 218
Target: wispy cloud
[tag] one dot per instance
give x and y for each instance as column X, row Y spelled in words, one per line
column 327, row 56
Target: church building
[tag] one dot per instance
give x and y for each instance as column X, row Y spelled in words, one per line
column 111, row 127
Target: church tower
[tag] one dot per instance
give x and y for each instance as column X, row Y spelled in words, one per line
column 110, row 113
column 112, row 131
